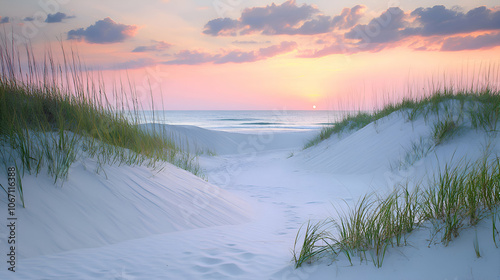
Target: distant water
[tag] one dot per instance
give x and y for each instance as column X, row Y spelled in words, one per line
column 246, row 121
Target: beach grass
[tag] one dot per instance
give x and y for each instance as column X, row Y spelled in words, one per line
column 463, row 195
column 415, row 152
column 459, row 197
column 316, row 241
column 480, row 104
column 444, row 130
column 52, row 114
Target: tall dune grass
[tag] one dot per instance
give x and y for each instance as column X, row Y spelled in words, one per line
column 52, row 114
column 462, row 195
column 459, row 197
column 480, row 104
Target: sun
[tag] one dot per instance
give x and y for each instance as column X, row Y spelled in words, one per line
column 314, row 106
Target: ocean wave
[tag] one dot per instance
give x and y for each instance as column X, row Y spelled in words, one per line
column 236, row 120
column 266, row 127
column 261, row 123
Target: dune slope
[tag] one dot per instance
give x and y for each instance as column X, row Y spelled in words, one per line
column 242, row 223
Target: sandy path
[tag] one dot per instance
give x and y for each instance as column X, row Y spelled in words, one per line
column 257, row 249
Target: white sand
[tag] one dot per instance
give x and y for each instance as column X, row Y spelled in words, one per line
column 197, row 139
column 135, row 224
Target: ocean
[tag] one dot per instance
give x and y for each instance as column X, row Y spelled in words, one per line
column 247, row 121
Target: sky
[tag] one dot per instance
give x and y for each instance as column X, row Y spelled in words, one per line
column 265, row 55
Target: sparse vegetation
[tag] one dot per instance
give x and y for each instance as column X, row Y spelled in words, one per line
column 53, row 114
column 459, row 197
column 367, row 229
column 475, row 243
column 348, row 123
column 485, row 115
column 463, row 195
column 415, row 152
column 443, row 130
column 316, row 241
column 480, row 105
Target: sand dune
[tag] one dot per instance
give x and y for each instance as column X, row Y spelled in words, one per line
column 133, row 223
column 196, row 139
column 121, row 203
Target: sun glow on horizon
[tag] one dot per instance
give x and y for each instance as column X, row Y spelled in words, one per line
column 192, row 63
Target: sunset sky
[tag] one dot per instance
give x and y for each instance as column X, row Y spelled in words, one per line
column 258, row 54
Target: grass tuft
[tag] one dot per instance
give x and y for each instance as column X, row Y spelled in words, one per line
column 482, row 106
column 348, row 123
column 475, row 243
column 314, row 234
column 53, row 114
column 414, row 153
column 459, row 197
column 463, row 195
column 444, row 130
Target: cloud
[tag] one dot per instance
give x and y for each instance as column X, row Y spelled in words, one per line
column 430, row 27
column 188, row 57
column 274, row 19
column 155, row 47
column 287, row 18
column 349, row 17
column 439, row 20
column 322, row 24
column 104, row 31
column 383, row 29
column 4, row 20
column 236, row 57
column 29, row 19
column 221, row 27
column 460, row 43
column 57, row 17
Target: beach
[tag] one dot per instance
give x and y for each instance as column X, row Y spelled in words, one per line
column 242, row 221
column 268, row 140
